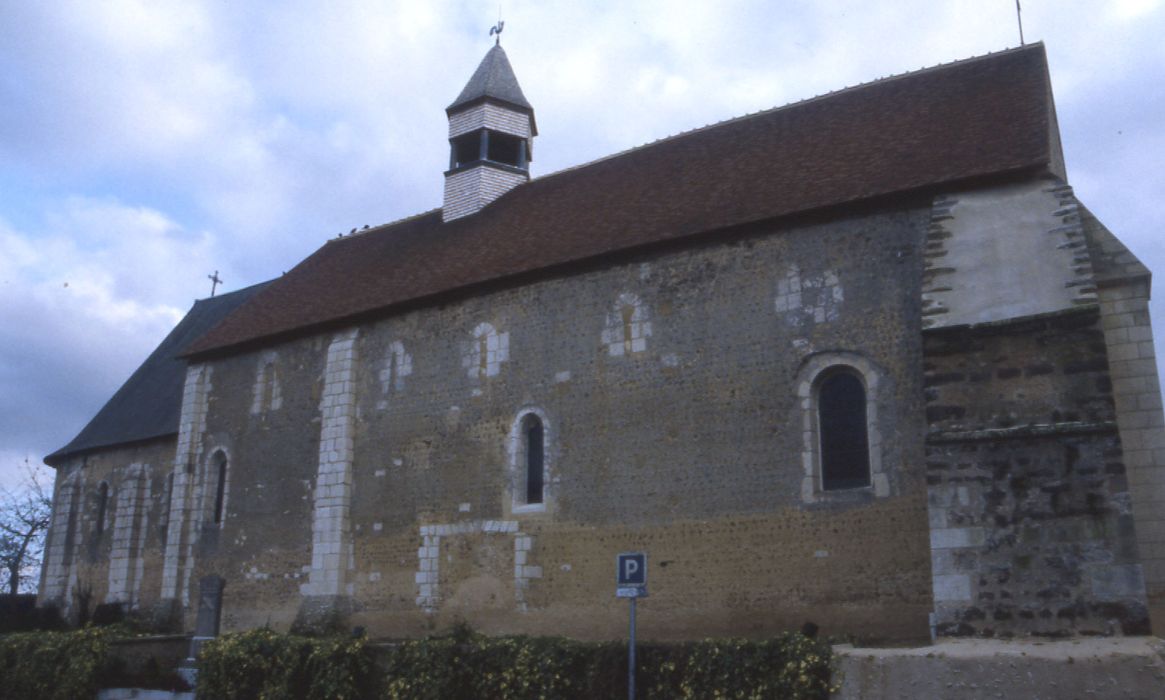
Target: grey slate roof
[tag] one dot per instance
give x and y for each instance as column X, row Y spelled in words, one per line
column 148, row 405
column 494, row 78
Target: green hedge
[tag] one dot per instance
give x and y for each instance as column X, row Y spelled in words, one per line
column 464, row 665
column 265, row 665
column 52, row 665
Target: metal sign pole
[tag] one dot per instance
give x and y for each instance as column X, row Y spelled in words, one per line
column 631, row 582
column 631, row 657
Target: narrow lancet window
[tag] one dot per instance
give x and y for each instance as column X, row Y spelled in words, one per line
column 220, row 472
column 164, row 516
column 535, row 459
column 845, row 450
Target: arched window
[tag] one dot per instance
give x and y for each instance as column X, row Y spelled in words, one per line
column 532, row 435
column 102, row 504
column 531, row 454
column 219, row 474
column 839, row 394
column 845, row 444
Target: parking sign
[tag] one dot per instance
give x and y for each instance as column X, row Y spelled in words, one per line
column 631, row 575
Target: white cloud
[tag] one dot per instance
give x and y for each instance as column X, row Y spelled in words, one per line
column 86, row 300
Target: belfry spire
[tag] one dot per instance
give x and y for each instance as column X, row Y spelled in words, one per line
column 491, row 130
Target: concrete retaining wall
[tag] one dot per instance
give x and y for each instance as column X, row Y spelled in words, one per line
column 1129, row 667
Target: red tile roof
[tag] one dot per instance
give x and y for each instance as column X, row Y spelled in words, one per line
column 974, row 118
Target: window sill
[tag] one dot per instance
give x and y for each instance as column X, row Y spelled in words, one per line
column 528, row 509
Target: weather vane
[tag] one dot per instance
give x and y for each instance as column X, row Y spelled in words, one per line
column 497, row 29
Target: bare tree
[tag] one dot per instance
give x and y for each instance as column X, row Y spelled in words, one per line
column 24, row 521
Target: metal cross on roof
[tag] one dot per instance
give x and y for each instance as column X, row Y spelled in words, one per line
column 214, row 282
column 497, row 29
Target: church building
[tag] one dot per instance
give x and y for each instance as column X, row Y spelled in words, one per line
column 865, row 360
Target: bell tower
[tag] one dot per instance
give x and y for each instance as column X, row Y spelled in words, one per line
column 491, row 130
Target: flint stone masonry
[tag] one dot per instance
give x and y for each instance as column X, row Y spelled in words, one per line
column 698, row 460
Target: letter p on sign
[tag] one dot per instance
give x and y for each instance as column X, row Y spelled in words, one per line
column 632, row 569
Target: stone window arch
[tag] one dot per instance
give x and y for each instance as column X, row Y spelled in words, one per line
column 841, row 457
column 530, row 459
column 627, row 327
column 217, row 479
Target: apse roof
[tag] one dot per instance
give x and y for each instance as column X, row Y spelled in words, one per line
column 148, row 404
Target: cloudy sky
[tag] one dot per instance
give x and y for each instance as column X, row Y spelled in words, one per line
column 145, row 144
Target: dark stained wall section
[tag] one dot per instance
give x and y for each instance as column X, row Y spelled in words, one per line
column 1032, row 529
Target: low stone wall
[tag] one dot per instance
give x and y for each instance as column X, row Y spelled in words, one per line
column 1113, row 667
column 167, row 651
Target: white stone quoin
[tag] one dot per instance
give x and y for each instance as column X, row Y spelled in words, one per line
column 331, row 525
column 180, row 537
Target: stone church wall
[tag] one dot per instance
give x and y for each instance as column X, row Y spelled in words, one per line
column 118, row 561
column 373, row 475
column 263, row 416
column 1032, row 528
